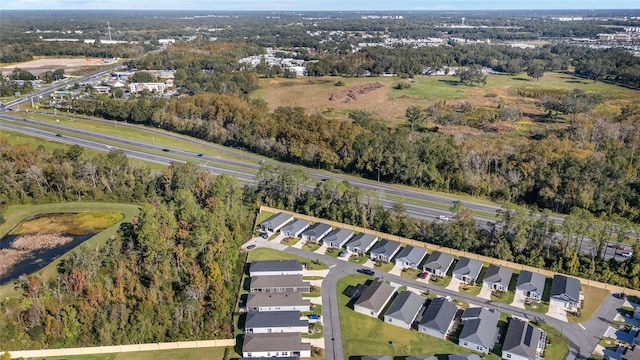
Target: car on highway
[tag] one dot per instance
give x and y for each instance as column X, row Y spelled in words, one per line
column 617, row 246
column 314, row 316
column 443, row 218
column 627, row 254
column 166, row 150
column 250, row 247
column 200, row 155
column 59, row 135
column 424, row 275
column 366, row 271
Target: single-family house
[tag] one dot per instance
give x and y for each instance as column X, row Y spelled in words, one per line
column 337, row 238
column 437, row 320
column 374, row 298
column 523, row 341
column 464, row 357
column 275, row 267
column 404, row 309
column 361, row 243
column 432, row 357
column 269, row 322
column 411, row 256
column 438, row 263
column 467, row 270
column 376, row 357
column 531, row 285
column 497, row 277
column 479, row 329
column 152, row 87
column 316, row 232
column 295, row 228
column 277, row 302
column 279, row 283
column 565, row 292
column 384, row 250
column 275, row 345
column 276, row 222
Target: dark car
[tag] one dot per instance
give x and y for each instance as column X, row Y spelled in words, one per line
column 366, row 271
column 59, row 135
column 250, row 247
column 165, row 150
column 199, row 155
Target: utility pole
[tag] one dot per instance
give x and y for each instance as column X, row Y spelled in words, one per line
column 109, row 29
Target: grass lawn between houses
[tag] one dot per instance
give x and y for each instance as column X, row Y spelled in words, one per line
column 193, row 354
column 593, row 297
column 364, row 335
column 270, row 254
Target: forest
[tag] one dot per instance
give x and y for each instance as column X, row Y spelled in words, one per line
column 173, row 274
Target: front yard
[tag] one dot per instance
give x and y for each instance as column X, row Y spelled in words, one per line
column 593, row 297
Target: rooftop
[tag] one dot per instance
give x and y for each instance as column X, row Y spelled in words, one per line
column 480, row 326
column 522, row 338
column 277, row 281
column 498, row 274
column 274, row 265
column 276, row 299
column 375, row 296
column 566, row 287
column 274, row 342
column 530, row 281
column 439, row 315
column 267, row 319
column 405, row 307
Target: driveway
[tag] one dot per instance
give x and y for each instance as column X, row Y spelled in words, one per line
column 369, row 263
column 397, row 270
column 485, row 293
column 298, row 245
column 278, row 238
column 320, row 273
column 319, row 343
column 454, row 285
column 321, row 249
column 346, row 256
column 519, row 300
column 557, row 312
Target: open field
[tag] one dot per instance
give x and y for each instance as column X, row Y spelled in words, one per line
column 194, row 354
column 40, row 66
column 364, row 335
column 269, row 254
column 68, row 223
column 389, row 104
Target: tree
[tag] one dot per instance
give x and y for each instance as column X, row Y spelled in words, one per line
column 473, row 75
column 413, row 115
column 142, row 77
column 2, row 220
column 535, row 70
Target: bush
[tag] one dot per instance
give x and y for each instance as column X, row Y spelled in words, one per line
column 339, row 83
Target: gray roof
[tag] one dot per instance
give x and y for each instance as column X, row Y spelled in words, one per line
column 439, row 261
column 480, row 326
column 295, row 226
column 339, row 236
column 439, row 315
column 277, row 281
column 276, row 220
column 464, row 357
column 412, row 253
column 566, row 287
column 275, row 265
column 468, row 267
column 362, row 241
column 405, row 307
column 498, row 274
column 432, row 357
column 274, row 342
column 375, row 296
column 530, row 281
column 266, row 319
column 376, row 357
column 521, row 338
column 385, row 247
column 276, row 299
column 317, row 229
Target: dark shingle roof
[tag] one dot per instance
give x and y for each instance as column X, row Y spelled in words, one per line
column 498, row 274
column 338, row 236
column 480, row 326
column 405, row 307
column 274, row 342
column 522, row 338
column 530, row 281
column 464, row 357
column 274, row 265
column 277, row 281
column 362, row 241
column 468, row 267
column 276, row 299
column 317, row 229
column 432, row 357
column 439, row 261
column 274, row 319
column 295, row 226
column 276, row 220
column 439, row 315
column 412, row 253
column 375, row 296
column 385, row 247
column 566, row 287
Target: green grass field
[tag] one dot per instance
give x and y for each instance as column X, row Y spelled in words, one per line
column 194, row 354
column 593, row 297
column 269, row 254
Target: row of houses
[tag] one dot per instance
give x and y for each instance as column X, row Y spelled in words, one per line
column 440, row 318
column 565, row 291
column 273, row 323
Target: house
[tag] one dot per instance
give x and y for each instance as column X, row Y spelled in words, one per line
column 523, row 341
column 464, row 357
column 432, row 357
column 479, row 329
column 275, row 267
column 316, row 232
column 295, row 228
column 404, row 309
column 361, row 243
column 531, row 285
column 384, row 250
column 268, row 322
column 437, row 320
column 152, row 87
column 438, row 263
column 275, row 345
column 411, row 256
column 277, row 302
column 279, row 283
column 636, row 312
column 497, row 277
column 374, row 298
column 276, row 222
column 337, row 238
column 467, row 270
column 565, row 292
column 376, row 357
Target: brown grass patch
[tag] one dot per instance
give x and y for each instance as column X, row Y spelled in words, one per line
column 23, row 245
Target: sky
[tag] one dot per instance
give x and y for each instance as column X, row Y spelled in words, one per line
column 310, row 5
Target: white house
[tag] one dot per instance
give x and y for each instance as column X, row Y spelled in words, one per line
column 374, row 298
column 565, row 293
column 277, row 302
column 275, row 345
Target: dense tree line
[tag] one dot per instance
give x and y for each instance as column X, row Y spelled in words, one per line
column 170, row 275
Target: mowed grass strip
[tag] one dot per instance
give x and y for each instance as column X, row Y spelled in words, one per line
column 365, row 335
column 593, row 298
column 258, row 254
column 192, row 354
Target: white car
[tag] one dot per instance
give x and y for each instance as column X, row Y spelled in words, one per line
column 627, row 254
column 443, row 218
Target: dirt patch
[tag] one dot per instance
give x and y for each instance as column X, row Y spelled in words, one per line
column 352, row 94
column 20, row 248
column 41, row 66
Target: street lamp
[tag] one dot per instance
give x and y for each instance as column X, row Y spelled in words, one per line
column 378, row 168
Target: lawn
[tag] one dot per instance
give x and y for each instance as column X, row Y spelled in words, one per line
column 16, row 214
column 333, row 252
column 558, row 345
column 311, row 246
column 270, row 254
column 289, row 241
column 593, row 297
column 383, row 266
column 505, row 297
column 539, row 307
column 358, row 259
column 473, row 290
column 199, row 354
column 262, row 216
column 362, row 335
column 410, row 273
column 439, row 281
